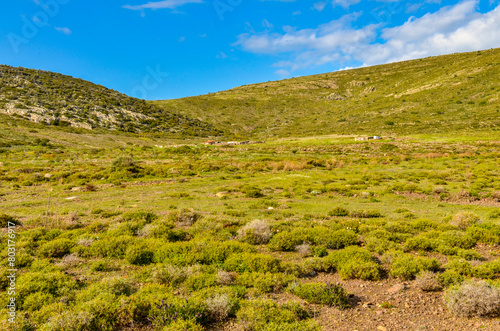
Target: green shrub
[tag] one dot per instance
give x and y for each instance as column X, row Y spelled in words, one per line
column 464, row 219
column 406, row 267
column 113, row 247
column 338, row 211
column 366, row 214
column 37, row 300
column 185, row 217
column 319, row 251
column 252, row 192
column 101, row 266
column 145, row 216
column 69, row 320
column 262, row 314
column 354, row 263
column 184, row 325
column 248, row 262
column 490, row 270
column 450, row 278
column 457, row 239
column 201, row 252
column 200, row 281
column 265, row 282
column 51, row 282
column 174, row 309
column 469, row 254
column 285, row 241
column 139, row 254
column 256, row 232
column 56, row 248
column 486, row 233
column 6, row 220
column 341, row 238
column 460, row 266
column 419, row 243
column 322, row 293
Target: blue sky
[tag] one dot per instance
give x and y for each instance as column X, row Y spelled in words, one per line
column 176, row 48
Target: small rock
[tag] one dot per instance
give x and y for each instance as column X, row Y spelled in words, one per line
column 379, row 312
column 76, row 189
column 47, row 175
column 221, row 194
column 397, row 288
column 72, row 198
column 381, row 328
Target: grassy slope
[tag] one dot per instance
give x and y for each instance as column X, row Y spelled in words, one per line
column 60, row 100
column 453, row 93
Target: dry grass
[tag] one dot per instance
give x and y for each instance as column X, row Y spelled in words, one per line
column 428, row 282
column 464, row 219
column 473, row 299
column 256, row 232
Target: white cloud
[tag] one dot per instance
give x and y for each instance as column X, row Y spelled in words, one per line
column 319, row 6
column 64, row 30
column 169, row 4
column 457, row 28
column 345, row 3
column 282, row 73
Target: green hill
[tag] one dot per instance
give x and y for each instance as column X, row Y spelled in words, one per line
column 456, row 93
column 63, row 101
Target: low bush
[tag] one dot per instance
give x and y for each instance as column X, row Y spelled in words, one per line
column 6, row 220
column 56, row 248
column 256, row 233
column 354, row 263
column 428, row 281
column 262, row 314
column 252, row 263
column 490, row 270
column 184, row 217
column 406, row 267
column 265, row 282
column 113, row 247
column 139, row 254
column 322, row 293
column 464, row 219
column 366, row 214
column 473, row 299
column 457, row 239
column 170, row 275
column 419, row 243
column 145, row 216
column 450, row 278
column 338, row 211
column 460, row 266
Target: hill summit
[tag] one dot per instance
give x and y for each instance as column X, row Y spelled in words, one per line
column 60, row 100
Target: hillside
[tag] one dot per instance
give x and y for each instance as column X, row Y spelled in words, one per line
column 60, row 100
column 445, row 94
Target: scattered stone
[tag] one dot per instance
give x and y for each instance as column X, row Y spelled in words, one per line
column 72, row 198
column 381, row 328
column 47, row 175
column 221, row 194
column 397, row 288
column 76, row 189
